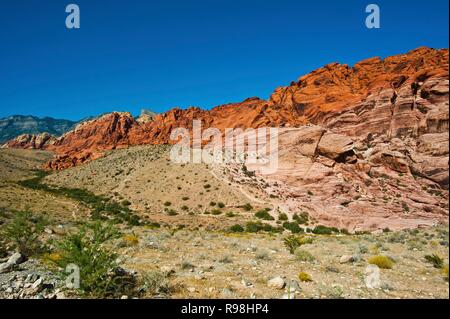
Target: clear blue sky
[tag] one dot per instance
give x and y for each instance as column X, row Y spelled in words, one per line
column 138, row 54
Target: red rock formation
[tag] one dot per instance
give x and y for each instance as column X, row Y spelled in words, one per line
column 401, row 95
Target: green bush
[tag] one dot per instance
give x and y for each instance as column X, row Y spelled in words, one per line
column 126, row 203
column 264, row 214
column 324, row 230
column 435, row 260
column 220, row 205
column 293, row 227
column 23, row 233
column 283, row 217
column 100, row 275
column 292, row 243
column 172, row 212
column 302, row 219
column 252, row 227
column 237, row 228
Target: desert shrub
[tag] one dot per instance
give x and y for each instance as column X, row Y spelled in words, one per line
column 435, row 260
column 130, row 240
column 185, row 208
column 303, row 255
column 216, row 212
column 304, row 277
column 237, row 228
column 293, row 227
column 247, row 172
column 282, row 217
column 363, row 249
column 397, row 237
column 185, row 265
column 167, row 204
column 212, row 203
column 252, row 227
column 324, row 230
column 264, row 214
column 207, row 186
column 302, row 218
column 247, row 207
column 155, row 283
column 381, row 261
column 23, row 232
column 230, row 214
column 292, row 242
column 171, row 212
column 220, row 205
column 100, row 275
column 270, row 229
column 126, row 203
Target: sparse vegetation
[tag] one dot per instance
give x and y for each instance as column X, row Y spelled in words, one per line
column 435, row 260
column 293, row 227
column 302, row 219
column 381, row 261
column 304, row 277
column 23, row 233
column 99, row 272
column 264, row 215
column 237, row 228
column 102, row 208
column 324, row 230
column 303, row 255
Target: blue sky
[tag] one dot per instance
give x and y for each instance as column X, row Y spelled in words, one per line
column 136, row 54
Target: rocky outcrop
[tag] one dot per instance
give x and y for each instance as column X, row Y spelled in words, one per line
column 29, row 141
column 352, row 183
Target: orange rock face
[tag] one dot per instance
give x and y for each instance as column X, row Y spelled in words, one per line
column 403, row 94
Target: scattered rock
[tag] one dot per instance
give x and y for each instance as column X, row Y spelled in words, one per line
column 277, row 283
column 346, row 259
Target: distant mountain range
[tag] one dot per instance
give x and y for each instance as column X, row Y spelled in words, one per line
column 15, row 125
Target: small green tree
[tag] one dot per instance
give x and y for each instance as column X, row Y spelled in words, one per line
column 23, row 232
column 98, row 267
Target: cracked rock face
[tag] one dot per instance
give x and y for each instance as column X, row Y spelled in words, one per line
column 382, row 186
